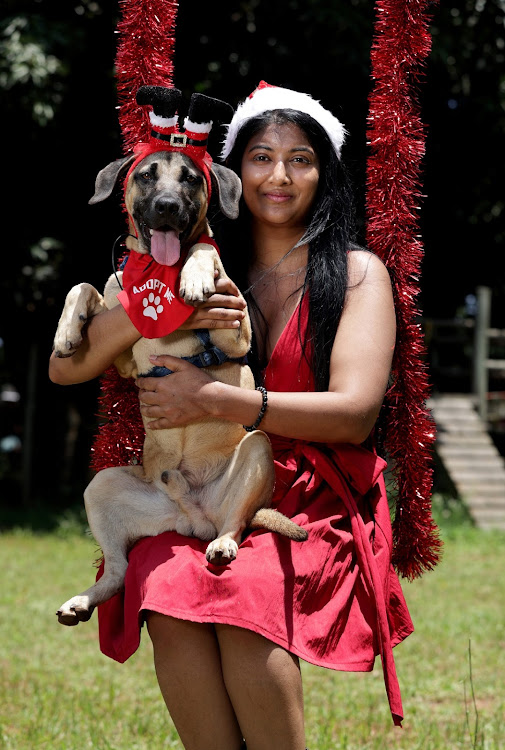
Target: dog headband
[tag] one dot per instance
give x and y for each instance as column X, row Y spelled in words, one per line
column 266, row 98
column 165, row 134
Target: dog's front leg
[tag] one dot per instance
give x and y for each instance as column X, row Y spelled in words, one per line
column 246, row 485
column 197, row 275
column 82, row 302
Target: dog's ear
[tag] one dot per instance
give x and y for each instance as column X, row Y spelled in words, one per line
column 107, row 178
column 229, row 189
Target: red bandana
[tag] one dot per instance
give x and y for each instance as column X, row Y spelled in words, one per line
column 150, row 294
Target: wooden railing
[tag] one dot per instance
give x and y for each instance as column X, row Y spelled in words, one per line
column 466, row 354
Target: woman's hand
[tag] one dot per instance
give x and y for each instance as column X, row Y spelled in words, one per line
column 177, row 399
column 224, row 309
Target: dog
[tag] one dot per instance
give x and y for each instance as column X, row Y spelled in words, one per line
column 209, row 479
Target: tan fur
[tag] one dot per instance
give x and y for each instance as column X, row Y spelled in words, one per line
column 208, row 479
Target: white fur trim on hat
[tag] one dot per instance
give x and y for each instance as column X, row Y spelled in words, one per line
column 162, row 122
column 197, row 127
column 274, row 97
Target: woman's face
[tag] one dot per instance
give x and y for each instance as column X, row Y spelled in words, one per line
column 280, row 175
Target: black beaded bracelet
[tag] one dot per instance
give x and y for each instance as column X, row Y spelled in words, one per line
column 263, row 409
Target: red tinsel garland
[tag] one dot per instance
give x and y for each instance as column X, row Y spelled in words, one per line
column 397, row 144
column 120, row 438
column 144, row 56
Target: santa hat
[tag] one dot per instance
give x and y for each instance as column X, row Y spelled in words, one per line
column 165, row 135
column 266, row 98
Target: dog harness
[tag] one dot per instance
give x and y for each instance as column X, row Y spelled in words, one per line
column 150, row 294
column 210, row 356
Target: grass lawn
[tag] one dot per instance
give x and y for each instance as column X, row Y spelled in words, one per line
column 58, row 692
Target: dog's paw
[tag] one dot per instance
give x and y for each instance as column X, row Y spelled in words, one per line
column 74, row 611
column 221, row 551
column 67, row 344
column 81, row 302
column 195, row 294
column 196, row 285
column 198, row 274
column 68, row 337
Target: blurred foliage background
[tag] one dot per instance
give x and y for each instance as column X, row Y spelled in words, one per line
column 59, row 123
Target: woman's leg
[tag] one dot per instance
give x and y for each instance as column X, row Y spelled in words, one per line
column 188, row 667
column 265, row 687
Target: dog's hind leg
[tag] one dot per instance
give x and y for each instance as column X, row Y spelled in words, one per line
column 246, row 485
column 80, row 608
column 121, row 509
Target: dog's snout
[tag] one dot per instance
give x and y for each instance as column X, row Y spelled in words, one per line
column 166, row 206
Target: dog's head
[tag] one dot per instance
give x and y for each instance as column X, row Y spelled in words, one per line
column 166, row 197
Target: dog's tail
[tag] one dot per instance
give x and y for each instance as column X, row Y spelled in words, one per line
column 272, row 520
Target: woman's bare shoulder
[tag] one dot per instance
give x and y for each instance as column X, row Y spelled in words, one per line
column 364, row 266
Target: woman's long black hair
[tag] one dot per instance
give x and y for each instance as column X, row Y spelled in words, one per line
column 329, row 237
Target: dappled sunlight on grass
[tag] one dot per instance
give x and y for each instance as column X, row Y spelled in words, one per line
column 58, row 691
column 456, row 608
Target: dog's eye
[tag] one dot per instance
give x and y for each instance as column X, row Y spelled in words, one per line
column 191, row 178
column 147, row 176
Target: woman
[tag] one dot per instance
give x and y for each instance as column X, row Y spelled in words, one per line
column 226, row 645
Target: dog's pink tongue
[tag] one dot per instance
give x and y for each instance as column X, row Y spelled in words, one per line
column 165, row 247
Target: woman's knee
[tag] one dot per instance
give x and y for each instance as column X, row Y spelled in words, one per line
column 265, row 687
column 188, row 667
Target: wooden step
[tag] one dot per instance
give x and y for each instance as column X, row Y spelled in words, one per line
column 484, row 464
column 488, row 502
column 479, row 476
column 465, row 440
column 470, row 452
column 470, row 457
column 492, row 524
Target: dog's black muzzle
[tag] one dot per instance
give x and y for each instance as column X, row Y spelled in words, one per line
column 166, row 212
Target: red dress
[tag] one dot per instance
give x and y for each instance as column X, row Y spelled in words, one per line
column 334, row 600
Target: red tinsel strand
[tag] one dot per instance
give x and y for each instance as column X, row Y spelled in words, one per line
column 397, row 144
column 120, row 438
column 144, row 56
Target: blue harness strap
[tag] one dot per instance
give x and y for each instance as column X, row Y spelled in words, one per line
column 211, row 356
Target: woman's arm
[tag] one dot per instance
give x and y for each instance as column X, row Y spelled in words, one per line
column 110, row 333
column 359, row 369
